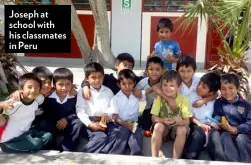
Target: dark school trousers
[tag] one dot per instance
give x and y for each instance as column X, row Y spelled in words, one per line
column 29, row 142
column 145, row 120
column 194, row 143
column 71, row 134
column 227, row 147
column 119, row 137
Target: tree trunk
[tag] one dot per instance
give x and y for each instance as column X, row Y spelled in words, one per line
column 78, row 31
column 102, row 47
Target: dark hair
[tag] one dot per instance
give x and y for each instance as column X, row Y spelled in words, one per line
column 186, row 60
column 126, row 74
column 165, row 23
column 42, row 71
column 62, row 73
column 171, row 75
column 124, row 57
column 93, row 67
column 231, row 78
column 28, row 76
column 155, row 60
column 212, row 80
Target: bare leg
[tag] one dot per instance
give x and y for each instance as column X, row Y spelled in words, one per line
column 157, row 138
column 179, row 142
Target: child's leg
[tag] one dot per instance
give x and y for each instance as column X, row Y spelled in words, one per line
column 229, row 147
column 145, row 121
column 180, row 139
column 157, row 136
column 46, row 137
column 117, row 139
column 73, row 131
column 244, row 147
column 215, row 146
column 135, row 142
column 194, row 143
column 97, row 141
column 25, row 143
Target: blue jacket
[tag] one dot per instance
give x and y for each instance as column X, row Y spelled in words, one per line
column 238, row 113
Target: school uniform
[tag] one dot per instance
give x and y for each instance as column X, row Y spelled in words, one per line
column 17, row 136
column 145, row 120
column 222, row 145
column 198, row 137
column 88, row 110
column 127, row 109
column 189, row 92
column 111, row 81
column 55, row 110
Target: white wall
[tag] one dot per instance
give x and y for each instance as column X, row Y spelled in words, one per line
column 126, row 29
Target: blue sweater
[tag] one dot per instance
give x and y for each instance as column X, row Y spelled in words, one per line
column 55, row 111
column 238, row 114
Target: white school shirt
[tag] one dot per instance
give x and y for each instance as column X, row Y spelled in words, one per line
column 55, row 96
column 204, row 111
column 20, row 119
column 96, row 106
column 143, row 85
column 126, row 107
column 189, row 91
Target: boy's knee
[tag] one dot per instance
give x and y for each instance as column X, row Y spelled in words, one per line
column 47, row 137
column 37, row 143
column 226, row 135
column 159, row 128
column 241, row 139
column 181, row 131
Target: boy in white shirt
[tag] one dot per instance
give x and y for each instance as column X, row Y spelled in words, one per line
column 125, row 110
column 94, row 110
column 186, row 67
column 209, row 85
column 17, row 137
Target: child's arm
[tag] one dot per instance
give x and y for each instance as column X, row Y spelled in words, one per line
column 205, row 100
column 6, row 105
column 121, row 122
column 200, row 124
column 217, row 113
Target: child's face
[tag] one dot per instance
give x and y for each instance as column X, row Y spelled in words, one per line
column 127, row 86
column 154, row 71
column 229, row 91
column 124, row 65
column 186, row 73
column 96, row 79
column 164, row 34
column 170, row 88
column 63, row 87
column 46, row 86
column 202, row 90
column 30, row 90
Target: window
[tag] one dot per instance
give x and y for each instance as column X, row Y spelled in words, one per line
column 166, row 5
column 84, row 4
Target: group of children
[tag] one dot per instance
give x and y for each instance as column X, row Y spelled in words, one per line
column 179, row 106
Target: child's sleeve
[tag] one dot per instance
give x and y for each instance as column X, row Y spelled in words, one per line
column 81, row 109
column 245, row 128
column 185, row 108
column 176, row 50
column 156, row 106
column 218, row 111
column 114, row 108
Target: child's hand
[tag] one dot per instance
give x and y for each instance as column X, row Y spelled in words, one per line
column 151, row 54
column 130, row 127
column 104, row 120
column 137, row 93
column 17, row 95
column 169, row 121
column 7, row 105
column 171, row 59
column 205, row 127
column 61, row 124
column 229, row 128
column 199, row 103
column 178, row 120
column 86, row 93
column 96, row 127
